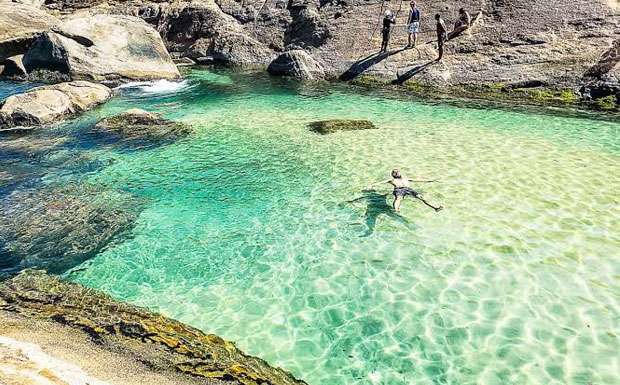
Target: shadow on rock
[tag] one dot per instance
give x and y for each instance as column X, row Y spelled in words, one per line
column 412, row 72
column 58, row 228
column 376, row 206
column 364, row 64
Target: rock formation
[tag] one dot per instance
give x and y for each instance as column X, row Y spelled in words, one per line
column 200, row 30
column 13, row 67
column 102, row 47
column 335, row 125
column 51, row 103
column 160, row 343
column 142, row 126
column 59, row 228
column 297, row 64
column 20, row 25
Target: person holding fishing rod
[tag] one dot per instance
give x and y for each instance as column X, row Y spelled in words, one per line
column 402, row 189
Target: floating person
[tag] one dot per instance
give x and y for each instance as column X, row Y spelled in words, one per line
column 402, row 189
column 388, row 20
column 376, row 207
column 413, row 25
column 464, row 20
column 442, row 34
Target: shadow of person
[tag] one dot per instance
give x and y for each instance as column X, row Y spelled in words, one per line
column 364, row 64
column 412, row 72
column 376, row 206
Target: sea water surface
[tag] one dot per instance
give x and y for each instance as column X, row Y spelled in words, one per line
column 259, row 230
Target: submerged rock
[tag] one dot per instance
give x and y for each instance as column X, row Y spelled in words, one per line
column 298, row 64
column 57, row 229
column 330, row 126
column 102, row 47
column 136, row 124
column 160, row 343
column 51, row 103
column 20, row 25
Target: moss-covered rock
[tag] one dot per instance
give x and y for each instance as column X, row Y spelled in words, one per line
column 158, row 342
column 607, row 103
column 329, row 126
column 137, row 125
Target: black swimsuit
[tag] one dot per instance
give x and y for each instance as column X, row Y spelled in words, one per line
column 404, row 191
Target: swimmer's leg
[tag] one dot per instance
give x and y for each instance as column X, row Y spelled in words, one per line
column 397, row 201
column 436, row 208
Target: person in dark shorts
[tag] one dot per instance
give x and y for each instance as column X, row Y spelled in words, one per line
column 388, row 20
column 413, row 25
column 442, row 34
column 402, row 189
column 464, row 20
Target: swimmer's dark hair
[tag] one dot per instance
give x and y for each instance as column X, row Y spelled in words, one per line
column 437, row 16
column 396, row 174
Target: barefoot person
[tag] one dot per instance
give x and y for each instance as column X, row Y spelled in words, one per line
column 442, row 34
column 413, row 25
column 464, row 20
column 388, row 20
column 402, row 188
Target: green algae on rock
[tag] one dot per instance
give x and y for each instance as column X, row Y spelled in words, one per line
column 330, row 126
column 159, row 342
column 137, row 124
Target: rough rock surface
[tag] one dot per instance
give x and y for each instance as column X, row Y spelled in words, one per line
column 515, row 42
column 603, row 78
column 20, row 24
column 331, row 126
column 48, row 104
column 199, row 29
column 298, row 64
column 136, row 124
column 13, row 67
column 102, row 47
column 159, row 342
column 57, row 229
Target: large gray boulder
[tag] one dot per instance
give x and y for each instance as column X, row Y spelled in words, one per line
column 298, row 64
column 103, row 47
column 20, row 25
column 48, row 104
column 199, row 29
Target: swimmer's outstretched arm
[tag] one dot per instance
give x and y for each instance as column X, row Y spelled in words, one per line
column 378, row 183
column 423, row 181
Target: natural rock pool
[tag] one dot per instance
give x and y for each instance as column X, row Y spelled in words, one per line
column 248, row 232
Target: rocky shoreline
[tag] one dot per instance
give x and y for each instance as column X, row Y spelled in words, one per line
column 155, row 344
column 525, row 49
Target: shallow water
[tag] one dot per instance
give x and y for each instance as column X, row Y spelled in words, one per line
column 250, row 233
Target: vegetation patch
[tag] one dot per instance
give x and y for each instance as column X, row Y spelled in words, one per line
column 607, row 103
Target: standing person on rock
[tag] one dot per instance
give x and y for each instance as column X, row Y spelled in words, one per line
column 413, row 24
column 388, row 20
column 442, row 34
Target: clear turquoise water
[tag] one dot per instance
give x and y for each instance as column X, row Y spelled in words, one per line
column 249, row 234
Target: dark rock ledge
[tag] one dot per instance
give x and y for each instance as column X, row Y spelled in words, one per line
column 159, row 343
